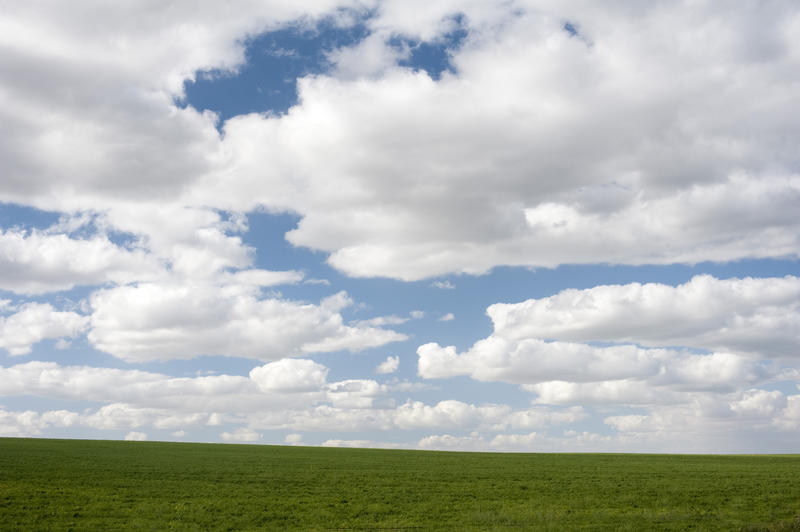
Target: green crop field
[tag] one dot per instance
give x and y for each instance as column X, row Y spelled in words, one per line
column 108, row 485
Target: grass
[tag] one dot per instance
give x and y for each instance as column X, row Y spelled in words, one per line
column 107, row 485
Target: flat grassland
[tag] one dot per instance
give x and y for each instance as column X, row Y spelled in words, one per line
column 110, row 485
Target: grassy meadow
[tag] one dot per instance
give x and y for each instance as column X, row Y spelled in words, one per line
column 108, row 485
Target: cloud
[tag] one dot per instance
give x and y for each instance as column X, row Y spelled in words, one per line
column 612, row 346
column 135, row 436
column 160, row 393
column 241, row 435
column 380, row 321
column 447, row 317
column 362, row 444
column 36, row 262
column 120, row 133
column 536, row 342
column 288, row 394
column 703, row 167
column 137, row 401
column 389, row 365
column 681, row 179
column 370, row 58
column 179, row 319
column 447, row 442
column 444, row 285
column 290, row 375
column 448, row 414
column 746, row 316
column 354, row 393
column 532, row 361
column 293, row 439
column 35, row 322
column 30, row 423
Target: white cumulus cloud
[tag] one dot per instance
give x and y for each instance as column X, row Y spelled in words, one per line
column 389, row 365
column 35, row 322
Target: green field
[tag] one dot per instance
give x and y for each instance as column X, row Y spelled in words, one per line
column 107, row 485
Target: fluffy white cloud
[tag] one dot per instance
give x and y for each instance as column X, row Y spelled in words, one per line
column 29, row 423
column 535, row 344
column 449, row 414
column 288, row 394
column 354, row 393
column 241, row 435
column 742, row 318
column 447, row 442
column 152, row 321
column 37, row 262
column 389, row 365
column 137, row 390
column 35, row 322
column 89, row 109
column 615, row 392
column 749, row 316
column 438, row 178
column 515, row 442
column 743, row 421
column 293, row 439
column 290, row 375
column 531, row 361
column 135, row 436
column 681, row 179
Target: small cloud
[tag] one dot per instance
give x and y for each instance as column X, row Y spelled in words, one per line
column 363, row 444
column 381, row 321
column 417, row 314
column 63, row 343
column 214, row 420
column 347, row 443
column 389, row 365
column 447, row 317
column 135, row 436
column 324, row 282
column 179, row 433
column 293, row 439
column 444, row 285
column 242, row 434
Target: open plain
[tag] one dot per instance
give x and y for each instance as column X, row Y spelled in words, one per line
column 80, row 485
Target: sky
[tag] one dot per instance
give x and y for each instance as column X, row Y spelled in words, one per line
column 527, row 225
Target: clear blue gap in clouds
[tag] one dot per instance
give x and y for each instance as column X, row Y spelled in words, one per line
column 266, row 83
column 570, row 28
column 267, row 80
column 26, row 218
column 433, row 57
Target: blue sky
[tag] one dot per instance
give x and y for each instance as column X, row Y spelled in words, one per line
column 527, row 226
